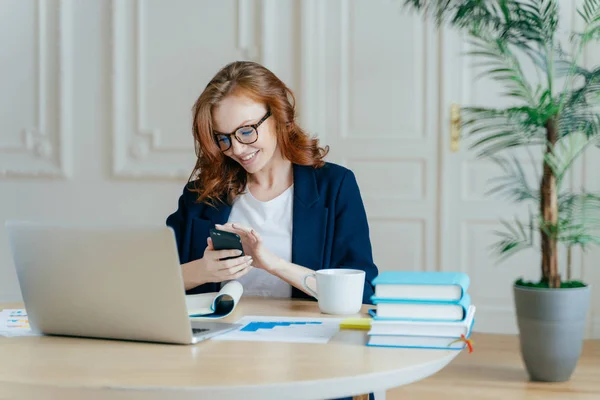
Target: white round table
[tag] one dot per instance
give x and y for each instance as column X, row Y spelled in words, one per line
column 76, row 368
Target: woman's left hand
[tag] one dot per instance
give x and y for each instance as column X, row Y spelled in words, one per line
column 253, row 246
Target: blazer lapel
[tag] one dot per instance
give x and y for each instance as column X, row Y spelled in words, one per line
column 219, row 214
column 201, row 227
column 309, row 220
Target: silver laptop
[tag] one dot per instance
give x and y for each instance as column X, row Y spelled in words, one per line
column 104, row 282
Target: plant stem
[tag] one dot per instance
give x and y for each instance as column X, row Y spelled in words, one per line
column 569, row 263
column 549, row 212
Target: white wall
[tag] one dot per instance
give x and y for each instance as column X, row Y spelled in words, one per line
column 92, row 157
column 95, row 121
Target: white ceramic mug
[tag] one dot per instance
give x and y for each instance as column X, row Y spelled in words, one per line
column 340, row 290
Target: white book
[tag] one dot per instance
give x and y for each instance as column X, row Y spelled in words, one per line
column 416, row 342
column 382, row 327
column 423, row 311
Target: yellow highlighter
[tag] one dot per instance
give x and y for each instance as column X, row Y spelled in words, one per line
column 356, row 323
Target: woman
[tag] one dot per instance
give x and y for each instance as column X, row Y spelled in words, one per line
column 261, row 176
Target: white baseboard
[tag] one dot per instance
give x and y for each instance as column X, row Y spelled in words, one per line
column 504, row 321
column 495, row 320
column 595, row 329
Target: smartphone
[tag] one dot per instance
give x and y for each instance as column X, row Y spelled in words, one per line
column 223, row 240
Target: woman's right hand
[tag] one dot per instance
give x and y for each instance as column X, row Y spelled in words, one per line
column 211, row 267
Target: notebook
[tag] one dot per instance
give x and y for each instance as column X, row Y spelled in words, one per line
column 421, row 285
column 215, row 305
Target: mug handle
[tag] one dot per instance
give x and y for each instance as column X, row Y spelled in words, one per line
column 312, row 292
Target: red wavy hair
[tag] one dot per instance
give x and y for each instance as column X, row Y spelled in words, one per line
column 219, row 178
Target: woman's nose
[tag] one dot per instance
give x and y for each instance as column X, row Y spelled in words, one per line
column 236, row 147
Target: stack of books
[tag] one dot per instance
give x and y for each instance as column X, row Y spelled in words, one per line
column 416, row 309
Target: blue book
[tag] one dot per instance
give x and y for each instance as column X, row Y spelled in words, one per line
column 438, row 286
column 414, row 310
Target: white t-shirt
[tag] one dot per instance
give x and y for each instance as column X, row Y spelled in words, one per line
column 273, row 221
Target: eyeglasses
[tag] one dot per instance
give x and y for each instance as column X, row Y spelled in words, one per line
column 246, row 134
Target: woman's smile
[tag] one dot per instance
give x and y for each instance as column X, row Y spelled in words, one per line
column 248, row 158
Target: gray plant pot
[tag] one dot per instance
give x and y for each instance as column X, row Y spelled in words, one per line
column 551, row 329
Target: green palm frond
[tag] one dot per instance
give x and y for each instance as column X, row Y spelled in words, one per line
column 523, row 116
column 513, row 183
column 515, row 239
column 515, row 22
column 590, row 13
column 580, row 108
column 576, row 121
column 522, row 22
column 585, row 98
column 587, row 94
column 566, row 66
column 580, row 207
column 573, row 234
column 502, row 129
column 565, row 152
column 579, row 221
column 459, row 13
column 545, row 17
column 501, row 64
column 562, row 65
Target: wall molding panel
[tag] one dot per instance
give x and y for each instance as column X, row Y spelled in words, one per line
column 138, row 149
column 410, row 234
column 44, row 146
column 413, row 129
column 313, row 67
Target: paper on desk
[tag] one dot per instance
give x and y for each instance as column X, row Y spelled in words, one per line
column 14, row 322
column 283, row 329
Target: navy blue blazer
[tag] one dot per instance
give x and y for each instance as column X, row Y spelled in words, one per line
column 330, row 228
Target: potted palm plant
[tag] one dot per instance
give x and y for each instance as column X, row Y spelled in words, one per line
column 554, row 115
